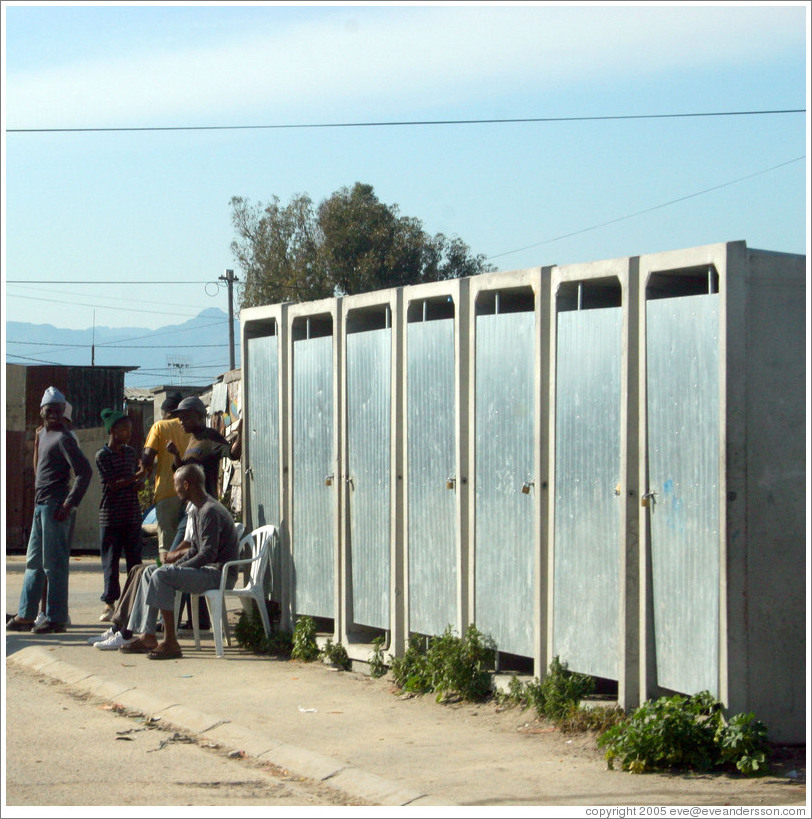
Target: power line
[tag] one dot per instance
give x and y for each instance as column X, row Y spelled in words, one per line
column 402, row 123
column 176, row 313
column 109, row 344
column 98, row 281
column 648, row 210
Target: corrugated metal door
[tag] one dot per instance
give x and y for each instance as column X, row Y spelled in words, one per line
column 683, row 453
column 313, row 491
column 368, row 445
column 263, row 432
column 504, row 461
column 431, row 411
column 587, row 470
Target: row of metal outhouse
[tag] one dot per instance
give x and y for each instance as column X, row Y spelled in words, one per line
column 603, row 462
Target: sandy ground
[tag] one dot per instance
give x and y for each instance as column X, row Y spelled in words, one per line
column 465, row 754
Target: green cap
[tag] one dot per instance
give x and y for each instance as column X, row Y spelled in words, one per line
column 110, row 417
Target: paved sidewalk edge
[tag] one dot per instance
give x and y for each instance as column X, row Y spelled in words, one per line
column 299, row 761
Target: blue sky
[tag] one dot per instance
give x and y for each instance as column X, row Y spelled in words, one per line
column 117, row 207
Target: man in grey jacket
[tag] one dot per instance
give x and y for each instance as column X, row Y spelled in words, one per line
column 55, row 501
column 195, row 566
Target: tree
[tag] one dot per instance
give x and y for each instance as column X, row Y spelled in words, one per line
column 351, row 243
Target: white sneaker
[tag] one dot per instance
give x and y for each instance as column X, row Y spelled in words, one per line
column 97, row 638
column 40, row 619
column 107, row 614
column 114, row 642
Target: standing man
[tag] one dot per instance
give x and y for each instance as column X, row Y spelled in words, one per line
column 55, row 502
column 206, row 446
column 119, row 510
column 167, row 504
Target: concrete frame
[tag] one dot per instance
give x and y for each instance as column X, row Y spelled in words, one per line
column 457, row 291
column 762, row 525
column 304, row 312
column 762, row 595
column 625, row 271
column 355, row 640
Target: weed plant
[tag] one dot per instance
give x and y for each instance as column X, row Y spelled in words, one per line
column 250, row 635
column 556, row 697
column 682, row 732
column 450, row 666
column 579, row 719
column 336, row 654
column 377, row 665
column 305, row 647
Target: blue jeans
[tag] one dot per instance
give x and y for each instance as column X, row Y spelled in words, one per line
column 48, row 556
column 114, row 540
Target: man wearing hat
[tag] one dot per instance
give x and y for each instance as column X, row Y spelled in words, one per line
column 206, row 446
column 119, row 510
column 156, row 455
column 55, row 500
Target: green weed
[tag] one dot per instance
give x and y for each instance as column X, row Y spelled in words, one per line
column 377, row 665
column 450, row 666
column 556, row 697
column 250, row 635
column 305, row 647
column 336, row 654
column 681, row 732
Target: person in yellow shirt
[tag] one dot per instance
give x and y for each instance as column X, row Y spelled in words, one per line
column 167, row 504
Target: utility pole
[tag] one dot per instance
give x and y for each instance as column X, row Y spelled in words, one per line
column 93, row 343
column 229, row 279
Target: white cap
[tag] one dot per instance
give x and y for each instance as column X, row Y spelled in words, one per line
column 68, row 413
column 52, row 396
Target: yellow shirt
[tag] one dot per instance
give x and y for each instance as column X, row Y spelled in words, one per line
column 160, row 434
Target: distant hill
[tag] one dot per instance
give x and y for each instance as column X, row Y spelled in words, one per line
column 194, row 352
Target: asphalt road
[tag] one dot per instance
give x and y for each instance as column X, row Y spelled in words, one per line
column 62, row 749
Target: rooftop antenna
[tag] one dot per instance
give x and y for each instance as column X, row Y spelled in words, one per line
column 179, row 363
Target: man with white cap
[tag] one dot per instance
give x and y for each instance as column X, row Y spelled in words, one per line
column 55, row 499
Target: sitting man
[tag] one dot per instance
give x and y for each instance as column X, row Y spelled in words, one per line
column 194, row 567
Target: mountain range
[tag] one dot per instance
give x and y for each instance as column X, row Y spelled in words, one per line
column 192, row 353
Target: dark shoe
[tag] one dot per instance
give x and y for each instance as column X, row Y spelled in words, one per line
column 19, row 625
column 49, row 628
column 162, row 653
column 136, row 647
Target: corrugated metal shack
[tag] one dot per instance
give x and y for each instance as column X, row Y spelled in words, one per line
column 89, row 390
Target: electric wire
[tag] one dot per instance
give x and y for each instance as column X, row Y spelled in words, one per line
column 399, row 123
column 647, row 210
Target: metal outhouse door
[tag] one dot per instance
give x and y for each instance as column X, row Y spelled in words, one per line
column 262, row 467
column 432, row 480
column 368, row 493
column 587, row 471
column 263, row 431
column 682, row 385
column 314, row 483
column 504, row 540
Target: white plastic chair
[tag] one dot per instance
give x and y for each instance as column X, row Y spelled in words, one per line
column 260, row 542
